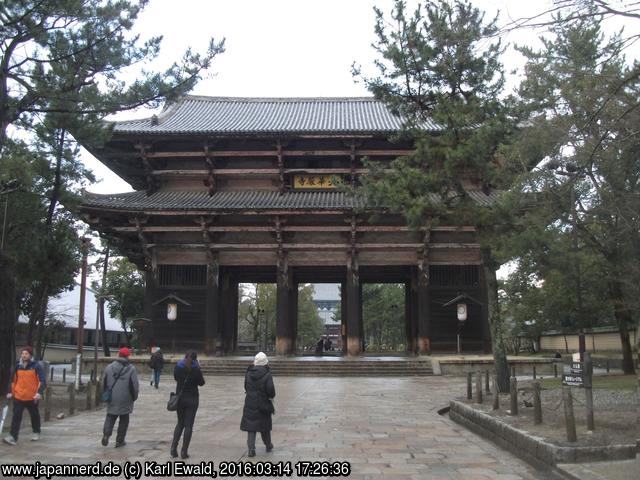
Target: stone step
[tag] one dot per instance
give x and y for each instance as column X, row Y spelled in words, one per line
column 322, row 368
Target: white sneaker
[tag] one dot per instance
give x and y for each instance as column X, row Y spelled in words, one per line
column 35, row 437
column 10, row 440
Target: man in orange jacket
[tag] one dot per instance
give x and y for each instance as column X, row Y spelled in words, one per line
column 27, row 387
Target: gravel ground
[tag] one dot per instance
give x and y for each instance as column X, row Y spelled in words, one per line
column 616, row 416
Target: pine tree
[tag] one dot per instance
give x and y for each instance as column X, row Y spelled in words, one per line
column 442, row 65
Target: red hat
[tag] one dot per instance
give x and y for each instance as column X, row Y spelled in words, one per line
column 27, row 348
column 124, row 352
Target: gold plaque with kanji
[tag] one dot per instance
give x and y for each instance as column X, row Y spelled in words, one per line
column 317, row 181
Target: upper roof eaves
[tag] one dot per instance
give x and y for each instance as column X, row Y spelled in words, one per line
column 254, row 116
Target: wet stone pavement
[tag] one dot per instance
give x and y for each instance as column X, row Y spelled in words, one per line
column 385, row 427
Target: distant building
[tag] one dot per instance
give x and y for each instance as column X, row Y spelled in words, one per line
column 327, row 299
column 65, row 307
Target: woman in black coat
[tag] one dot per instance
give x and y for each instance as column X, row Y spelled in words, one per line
column 188, row 378
column 258, row 407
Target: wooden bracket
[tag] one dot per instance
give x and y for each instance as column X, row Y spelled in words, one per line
column 281, row 186
column 146, row 251
column 152, row 185
column 210, row 181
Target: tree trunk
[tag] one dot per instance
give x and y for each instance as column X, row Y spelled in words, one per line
column 103, row 328
column 496, row 328
column 43, row 302
column 624, row 320
column 7, row 322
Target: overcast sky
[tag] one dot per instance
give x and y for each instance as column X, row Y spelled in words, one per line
column 282, row 48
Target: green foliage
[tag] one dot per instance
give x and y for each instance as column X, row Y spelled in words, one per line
column 127, row 285
column 258, row 304
column 383, row 316
column 438, row 66
column 581, row 98
column 310, row 327
column 67, row 57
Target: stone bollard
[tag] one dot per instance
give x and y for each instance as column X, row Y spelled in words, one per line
column 47, row 402
column 478, row 386
column 98, row 393
column 537, row 404
column 496, row 394
column 64, row 375
column 486, row 383
column 513, row 390
column 72, row 399
column 534, row 372
column 51, row 374
column 469, row 390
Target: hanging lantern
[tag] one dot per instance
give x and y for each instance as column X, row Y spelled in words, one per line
column 172, row 311
column 461, row 310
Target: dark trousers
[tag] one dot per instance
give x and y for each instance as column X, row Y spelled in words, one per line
column 251, row 439
column 18, row 409
column 187, row 410
column 123, row 425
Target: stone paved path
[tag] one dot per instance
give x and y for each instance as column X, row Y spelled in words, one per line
column 386, row 427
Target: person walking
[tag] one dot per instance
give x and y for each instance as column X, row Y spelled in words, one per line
column 258, row 405
column 157, row 364
column 188, row 376
column 28, row 382
column 122, row 379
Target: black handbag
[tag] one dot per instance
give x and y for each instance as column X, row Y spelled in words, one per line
column 174, row 400
column 174, row 397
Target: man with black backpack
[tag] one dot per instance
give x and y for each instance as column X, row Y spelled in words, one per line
column 120, row 384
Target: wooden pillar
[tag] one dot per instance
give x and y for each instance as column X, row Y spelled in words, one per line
column 424, row 323
column 354, row 309
column 293, row 316
column 212, row 307
column 227, row 298
column 150, row 294
column 285, row 335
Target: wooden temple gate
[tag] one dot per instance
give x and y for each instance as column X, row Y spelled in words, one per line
column 248, row 190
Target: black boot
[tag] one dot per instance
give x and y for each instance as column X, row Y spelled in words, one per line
column 186, row 440
column 177, row 432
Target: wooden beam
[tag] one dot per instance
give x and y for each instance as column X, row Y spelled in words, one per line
column 285, row 228
column 257, row 171
column 289, row 246
column 274, row 153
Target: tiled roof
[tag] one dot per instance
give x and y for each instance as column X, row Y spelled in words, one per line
column 245, row 200
column 229, row 116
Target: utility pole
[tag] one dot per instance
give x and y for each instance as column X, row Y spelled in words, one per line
column 86, row 243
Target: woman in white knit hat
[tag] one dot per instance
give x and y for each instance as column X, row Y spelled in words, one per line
column 258, row 405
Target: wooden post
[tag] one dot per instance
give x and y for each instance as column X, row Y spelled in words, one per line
column 588, row 390
column 64, row 375
column 534, row 372
column 486, row 382
column 513, row 390
column 537, row 404
column 91, row 391
column 98, row 393
column 555, row 370
column 72, row 399
column 569, row 419
column 469, row 390
column 496, row 394
column 513, row 370
column 607, row 366
column 51, row 375
column 478, row 386
column 47, row 403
